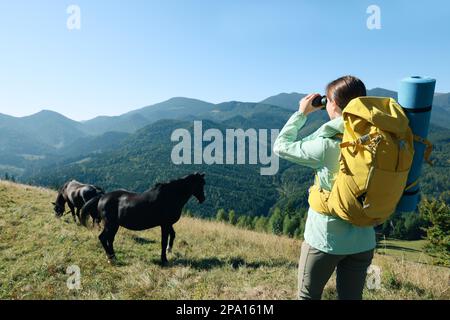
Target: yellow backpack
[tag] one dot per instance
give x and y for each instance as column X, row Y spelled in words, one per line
column 377, row 151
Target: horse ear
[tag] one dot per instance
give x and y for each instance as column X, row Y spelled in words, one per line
column 53, row 203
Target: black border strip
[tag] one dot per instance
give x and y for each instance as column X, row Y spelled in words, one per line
column 282, row 309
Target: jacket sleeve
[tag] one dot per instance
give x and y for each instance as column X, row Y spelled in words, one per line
column 308, row 151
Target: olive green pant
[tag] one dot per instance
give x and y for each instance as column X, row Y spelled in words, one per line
column 316, row 267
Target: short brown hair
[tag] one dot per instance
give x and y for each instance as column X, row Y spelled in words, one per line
column 344, row 89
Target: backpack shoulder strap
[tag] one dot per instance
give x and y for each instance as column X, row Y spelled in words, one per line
column 428, row 148
column 338, row 136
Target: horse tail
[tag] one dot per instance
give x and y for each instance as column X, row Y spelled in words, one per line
column 90, row 207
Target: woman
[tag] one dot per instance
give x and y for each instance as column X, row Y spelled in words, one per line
column 330, row 243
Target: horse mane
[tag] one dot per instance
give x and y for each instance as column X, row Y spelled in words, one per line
column 159, row 185
column 63, row 187
column 170, row 183
column 98, row 188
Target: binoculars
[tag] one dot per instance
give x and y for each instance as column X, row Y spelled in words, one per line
column 319, row 102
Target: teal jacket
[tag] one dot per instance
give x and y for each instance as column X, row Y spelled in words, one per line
column 321, row 152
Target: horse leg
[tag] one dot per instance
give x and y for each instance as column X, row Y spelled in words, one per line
column 171, row 238
column 103, row 239
column 107, row 239
column 112, row 231
column 164, row 235
column 77, row 212
column 72, row 210
column 94, row 221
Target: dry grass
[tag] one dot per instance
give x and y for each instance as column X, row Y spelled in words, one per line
column 210, row 260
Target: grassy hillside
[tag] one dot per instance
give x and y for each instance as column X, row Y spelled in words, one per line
column 409, row 250
column 210, row 260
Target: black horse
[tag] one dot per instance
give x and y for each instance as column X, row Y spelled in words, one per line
column 76, row 195
column 159, row 206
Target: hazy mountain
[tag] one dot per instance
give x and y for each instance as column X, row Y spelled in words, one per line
column 45, row 127
column 441, row 110
column 442, row 100
column 380, row 92
column 286, row 100
column 47, row 137
column 94, row 144
column 227, row 110
column 439, row 116
column 125, row 123
column 27, row 142
column 19, row 151
column 16, row 142
column 4, row 119
column 175, row 108
column 55, row 130
column 291, row 100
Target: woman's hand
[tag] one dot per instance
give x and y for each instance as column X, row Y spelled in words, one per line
column 305, row 105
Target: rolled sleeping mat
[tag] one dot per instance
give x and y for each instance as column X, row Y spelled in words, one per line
column 416, row 97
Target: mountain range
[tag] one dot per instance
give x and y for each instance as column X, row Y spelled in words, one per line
column 133, row 150
column 48, row 131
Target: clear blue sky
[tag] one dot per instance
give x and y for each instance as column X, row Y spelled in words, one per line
column 129, row 54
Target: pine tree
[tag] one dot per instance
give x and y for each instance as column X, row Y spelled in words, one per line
column 255, row 222
column 276, row 222
column 249, row 223
column 221, row 215
column 437, row 214
column 414, row 225
column 188, row 213
column 232, row 217
column 261, row 224
column 241, row 222
column 290, row 224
